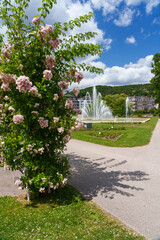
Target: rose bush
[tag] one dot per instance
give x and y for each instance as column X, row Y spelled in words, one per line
column 37, row 65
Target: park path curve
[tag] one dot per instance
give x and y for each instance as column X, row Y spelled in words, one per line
column 125, row 182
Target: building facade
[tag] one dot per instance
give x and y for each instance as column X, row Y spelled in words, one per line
column 142, row 103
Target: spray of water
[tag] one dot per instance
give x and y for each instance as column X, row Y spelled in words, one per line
column 127, row 107
column 95, row 109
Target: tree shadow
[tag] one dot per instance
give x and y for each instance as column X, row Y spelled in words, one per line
column 96, row 177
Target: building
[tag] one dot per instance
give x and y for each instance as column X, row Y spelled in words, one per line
column 142, row 103
column 74, row 100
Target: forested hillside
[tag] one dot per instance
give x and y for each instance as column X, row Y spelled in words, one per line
column 129, row 90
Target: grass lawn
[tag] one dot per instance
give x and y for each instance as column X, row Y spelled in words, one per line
column 118, row 134
column 66, row 216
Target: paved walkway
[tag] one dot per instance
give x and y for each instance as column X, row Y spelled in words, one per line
column 123, row 181
column 7, row 186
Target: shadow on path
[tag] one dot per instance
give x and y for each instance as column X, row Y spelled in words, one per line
column 96, row 177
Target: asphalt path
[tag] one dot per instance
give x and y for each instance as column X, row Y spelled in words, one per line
column 125, row 182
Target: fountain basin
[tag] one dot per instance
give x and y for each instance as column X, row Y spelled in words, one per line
column 117, row 120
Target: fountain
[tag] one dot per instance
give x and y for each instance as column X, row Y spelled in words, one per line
column 127, row 107
column 95, row 108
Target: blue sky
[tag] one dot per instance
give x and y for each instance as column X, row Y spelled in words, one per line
column 128, row 29
column 133, row 40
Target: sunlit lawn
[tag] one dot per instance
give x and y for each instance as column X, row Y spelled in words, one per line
column 65, row 216
column 118, row 134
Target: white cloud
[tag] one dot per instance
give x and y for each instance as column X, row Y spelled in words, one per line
column 132, row 73
column 108, row 6
column 111, row 9
column 107, row 43
column 125, row 18
column 156, row 21
column 130, row 40
column 151, row 4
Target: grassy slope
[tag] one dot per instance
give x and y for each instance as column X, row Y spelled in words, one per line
column 66, row 216
column 132, row 135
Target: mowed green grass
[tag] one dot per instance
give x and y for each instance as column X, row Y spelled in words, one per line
column 65, row 216
column 118, row 134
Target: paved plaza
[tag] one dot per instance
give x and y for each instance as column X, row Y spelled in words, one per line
column 125, row 182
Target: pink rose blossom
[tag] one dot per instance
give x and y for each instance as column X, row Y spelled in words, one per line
column 5, row 87
column 17, row 119
column 34, row 90
column 49, row 62
column 78, row 125
column 72, row 72
column 55, row 97
column 5, row 53
column 63, row 85
column 60, row 130
column 47, row 74
column 51, row 185
column 78, row 111
column 18, row 183
column 79, row 77
column 64, row 182
column 6, row 50
column 67, row 138
column 45, row 30
column 20, row 67
column 8, row 46
column 35, row 112
column 7, row 78
column 72, row 128
column 6, row 98
column 22, row 150
column 41, row 150
column 43, row 123
column 36, row 20
column 11, row 109
column 42, row 190
column 36, row 105
column 35, row 151
column 56, row 119
column 69, row 104
column 76, row 91
column 48, row 28
column 43, row 180
column 30, row 182
column 23, row 84
column 54, row 43
column 51, row 127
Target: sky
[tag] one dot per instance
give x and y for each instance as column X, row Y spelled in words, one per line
column 129, row 30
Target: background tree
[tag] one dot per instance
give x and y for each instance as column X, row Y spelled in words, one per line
column 129, row 90
column 116, row 103
column 155, row 81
